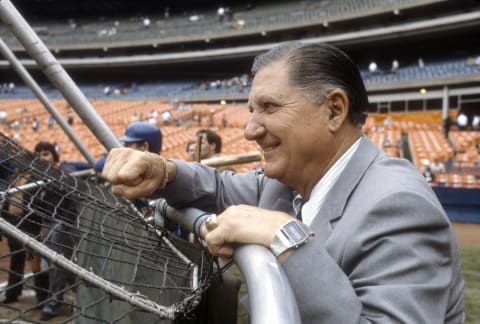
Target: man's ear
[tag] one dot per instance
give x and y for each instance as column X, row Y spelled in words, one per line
column 337, row 105
column 213, row 147
column 145, row 147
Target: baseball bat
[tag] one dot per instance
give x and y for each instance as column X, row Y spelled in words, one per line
column 233, row 159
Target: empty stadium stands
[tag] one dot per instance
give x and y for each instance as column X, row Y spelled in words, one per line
column 192, row 90
column 177, row 28
column 117, row 114
column 426, row 143
column 453, row 67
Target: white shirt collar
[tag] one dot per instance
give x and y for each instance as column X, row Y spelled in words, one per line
column 311, row 207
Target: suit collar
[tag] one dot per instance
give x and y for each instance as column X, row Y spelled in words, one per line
column 278, row 196
column 337, row 198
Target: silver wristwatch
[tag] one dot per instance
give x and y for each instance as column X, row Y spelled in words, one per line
column 291, row 235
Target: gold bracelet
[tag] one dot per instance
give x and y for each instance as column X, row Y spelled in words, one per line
column 163, row 161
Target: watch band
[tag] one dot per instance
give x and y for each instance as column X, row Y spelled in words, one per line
column 291, row 235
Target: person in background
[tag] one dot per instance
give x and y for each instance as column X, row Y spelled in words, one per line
column 58, row 215
column 211, row 144
column 437, row 167
column 447, row 124
column 462, row 121
column 143, row 136
column 345, row 238
column 224, row 120
column 428, row 174
column 166, row 117
column 70, row 118
column 139, row 135
column 47, row 223
column 476, row 123
column 211, row 147
column 50, row 121
column 35, row 125
column 191, row 150
column 14, row 214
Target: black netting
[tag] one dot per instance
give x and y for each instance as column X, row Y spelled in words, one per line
column 122, row 268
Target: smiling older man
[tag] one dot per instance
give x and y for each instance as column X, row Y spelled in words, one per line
column 372, row 244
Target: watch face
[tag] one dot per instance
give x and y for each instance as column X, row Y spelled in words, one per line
column 295, row 232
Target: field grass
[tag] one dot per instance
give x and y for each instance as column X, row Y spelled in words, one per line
column 470, row 260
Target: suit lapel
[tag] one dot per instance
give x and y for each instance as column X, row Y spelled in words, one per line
column 337, row 197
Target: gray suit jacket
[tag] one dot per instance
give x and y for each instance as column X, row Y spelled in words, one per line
column 383, row 252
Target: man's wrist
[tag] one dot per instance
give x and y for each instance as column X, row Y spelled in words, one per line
column 168, row 170
column 172, row 170
column 290, row 236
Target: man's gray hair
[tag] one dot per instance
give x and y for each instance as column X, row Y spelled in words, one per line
column 317, row 69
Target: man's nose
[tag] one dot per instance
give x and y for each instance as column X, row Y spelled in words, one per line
column 254, row 128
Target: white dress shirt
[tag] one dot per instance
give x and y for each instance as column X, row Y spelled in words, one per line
column 311, row 207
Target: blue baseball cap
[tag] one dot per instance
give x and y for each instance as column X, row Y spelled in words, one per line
column 140, row 131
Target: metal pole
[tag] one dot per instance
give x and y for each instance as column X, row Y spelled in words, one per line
column 445, row 103
column 36, row 184
column 56, row 74
column 270, row 295
column 27, row 78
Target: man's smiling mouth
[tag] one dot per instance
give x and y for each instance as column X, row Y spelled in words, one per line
column 270, row 148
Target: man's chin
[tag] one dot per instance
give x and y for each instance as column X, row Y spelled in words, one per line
column 271, row 171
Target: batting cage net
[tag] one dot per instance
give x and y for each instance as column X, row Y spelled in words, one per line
column 73, row 252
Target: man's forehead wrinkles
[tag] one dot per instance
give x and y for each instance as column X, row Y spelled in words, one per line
column 263, row 97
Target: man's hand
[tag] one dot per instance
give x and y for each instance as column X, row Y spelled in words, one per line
column 243, row 224
column 133, row 174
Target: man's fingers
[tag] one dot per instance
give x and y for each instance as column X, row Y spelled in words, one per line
column 129, row 173
column 122, row 165
column 224, row 251
column 217, row 243
column 143, row 189
column 120, row 190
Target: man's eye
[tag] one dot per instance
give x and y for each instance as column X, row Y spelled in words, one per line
column 264, row 107
column 268, row 106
